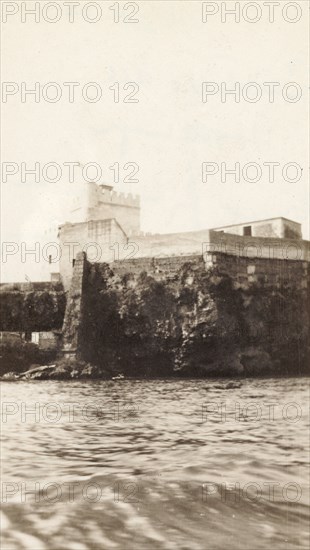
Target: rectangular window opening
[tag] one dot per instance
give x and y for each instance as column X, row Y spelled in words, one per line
column 247, row 231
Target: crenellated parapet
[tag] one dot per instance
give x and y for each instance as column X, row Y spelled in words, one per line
column 107, row 195
column 127, row 199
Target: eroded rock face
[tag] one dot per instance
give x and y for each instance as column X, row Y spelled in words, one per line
column 194, row 324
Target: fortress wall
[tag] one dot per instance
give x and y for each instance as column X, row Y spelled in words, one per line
column 40, row 306
column 72, row 238
column 273, row 273
column 201, row 242
column 73, row 320
column 244, row 271
column 113, row 245
column 157, row 267
column 262, row 279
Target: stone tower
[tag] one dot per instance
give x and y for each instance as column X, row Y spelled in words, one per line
column 101, row 202
column 101, row 222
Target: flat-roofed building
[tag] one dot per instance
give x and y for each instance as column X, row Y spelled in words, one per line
column 279, row 228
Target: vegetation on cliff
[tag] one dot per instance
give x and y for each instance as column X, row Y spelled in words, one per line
column 198, row 323
column 39, row 308
column 195, row 323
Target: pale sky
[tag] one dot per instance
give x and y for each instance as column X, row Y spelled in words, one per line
column 170, row 132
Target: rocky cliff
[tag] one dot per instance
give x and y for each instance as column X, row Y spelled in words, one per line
column 184, row 322
column 196, row 323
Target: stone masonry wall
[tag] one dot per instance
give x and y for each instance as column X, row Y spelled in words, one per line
column 73, row 321
column 157, row 267
column 244, row 271
column 273, row 273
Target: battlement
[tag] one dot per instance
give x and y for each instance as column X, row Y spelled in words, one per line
column 105, row 194
column 93, row 201
column 103, row 203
